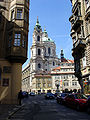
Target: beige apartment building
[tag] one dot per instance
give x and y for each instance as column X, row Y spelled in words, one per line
column 63, row 78
column 80, row 33
column 14, row 22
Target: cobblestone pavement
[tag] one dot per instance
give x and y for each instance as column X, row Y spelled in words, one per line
column 37, row 108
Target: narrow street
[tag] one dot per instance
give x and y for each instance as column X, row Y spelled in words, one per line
column 37, row 108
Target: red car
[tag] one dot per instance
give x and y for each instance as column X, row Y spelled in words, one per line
column 76, row 100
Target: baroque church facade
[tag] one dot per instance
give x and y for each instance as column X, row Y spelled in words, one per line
column 45, row 70
column 43, row 59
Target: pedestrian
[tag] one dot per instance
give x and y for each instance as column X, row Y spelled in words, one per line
column 20, row 96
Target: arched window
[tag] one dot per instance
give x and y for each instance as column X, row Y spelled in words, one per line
column 39, row 65
column 53, row 63
column 49, row 51
column 45, row 52
column 39, row 52
column 38, row 38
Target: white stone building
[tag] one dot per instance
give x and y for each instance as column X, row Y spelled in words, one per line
column 43, row 56
column 63, row 77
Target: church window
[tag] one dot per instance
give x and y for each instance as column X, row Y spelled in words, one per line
column 39, row 52
column 49, row 51
column 39, row 65
column 38, row 38
column 53, row 63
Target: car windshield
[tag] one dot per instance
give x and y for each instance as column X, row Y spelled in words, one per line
column 80, row 96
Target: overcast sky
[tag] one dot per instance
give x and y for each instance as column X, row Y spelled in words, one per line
column 54, row 15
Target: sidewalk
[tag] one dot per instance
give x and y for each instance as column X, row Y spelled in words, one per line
column 7, row 110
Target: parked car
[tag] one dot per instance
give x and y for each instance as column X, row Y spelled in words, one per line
column 88, row 105
column 61, row 97
column 49, row 96
column 76, row 100
column 32, row 94
column 25, row 94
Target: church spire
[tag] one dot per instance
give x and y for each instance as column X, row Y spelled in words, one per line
column 37, row 26
column 62, row 54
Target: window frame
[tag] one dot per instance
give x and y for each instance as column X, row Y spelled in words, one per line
column 17, row 40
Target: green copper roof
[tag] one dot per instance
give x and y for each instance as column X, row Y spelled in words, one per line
column 45, row 30
column 45, row 39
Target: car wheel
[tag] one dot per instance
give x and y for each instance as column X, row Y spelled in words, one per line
column 78, row 107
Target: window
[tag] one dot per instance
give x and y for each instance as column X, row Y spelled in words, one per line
column 19, row 13
column 66, row 84
column 87, row 3
column 12, row 15
column 44, row 84
column 39, row 65
column 17, row 39
column 53, row 63
column 49, row 51
column 5, row 82
column 10, row 37
column 24, row 41
column 49, row 85
column 39, row 84
column 39, row 52
column 84, row 61
column 7, row 69
column 74, row 83
column 38, row 38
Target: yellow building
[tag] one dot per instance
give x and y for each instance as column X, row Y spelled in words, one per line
column 80, row 33
column 14, row 22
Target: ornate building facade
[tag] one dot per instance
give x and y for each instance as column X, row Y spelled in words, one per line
column 80, row 33
column 63, row 78
column 43, row 58
column 14, row 22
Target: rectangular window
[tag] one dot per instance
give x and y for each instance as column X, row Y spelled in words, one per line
column 17, row 39
column 10, row 37
column 19, row 13
column 12, row 15
column 5, row 82
column 44, row 85
column 7, row 69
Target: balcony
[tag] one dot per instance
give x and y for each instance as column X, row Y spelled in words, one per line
column 87, row 15
column 77, row 21
column 80, row 43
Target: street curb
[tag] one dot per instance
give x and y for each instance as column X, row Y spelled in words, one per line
column 12, row 113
